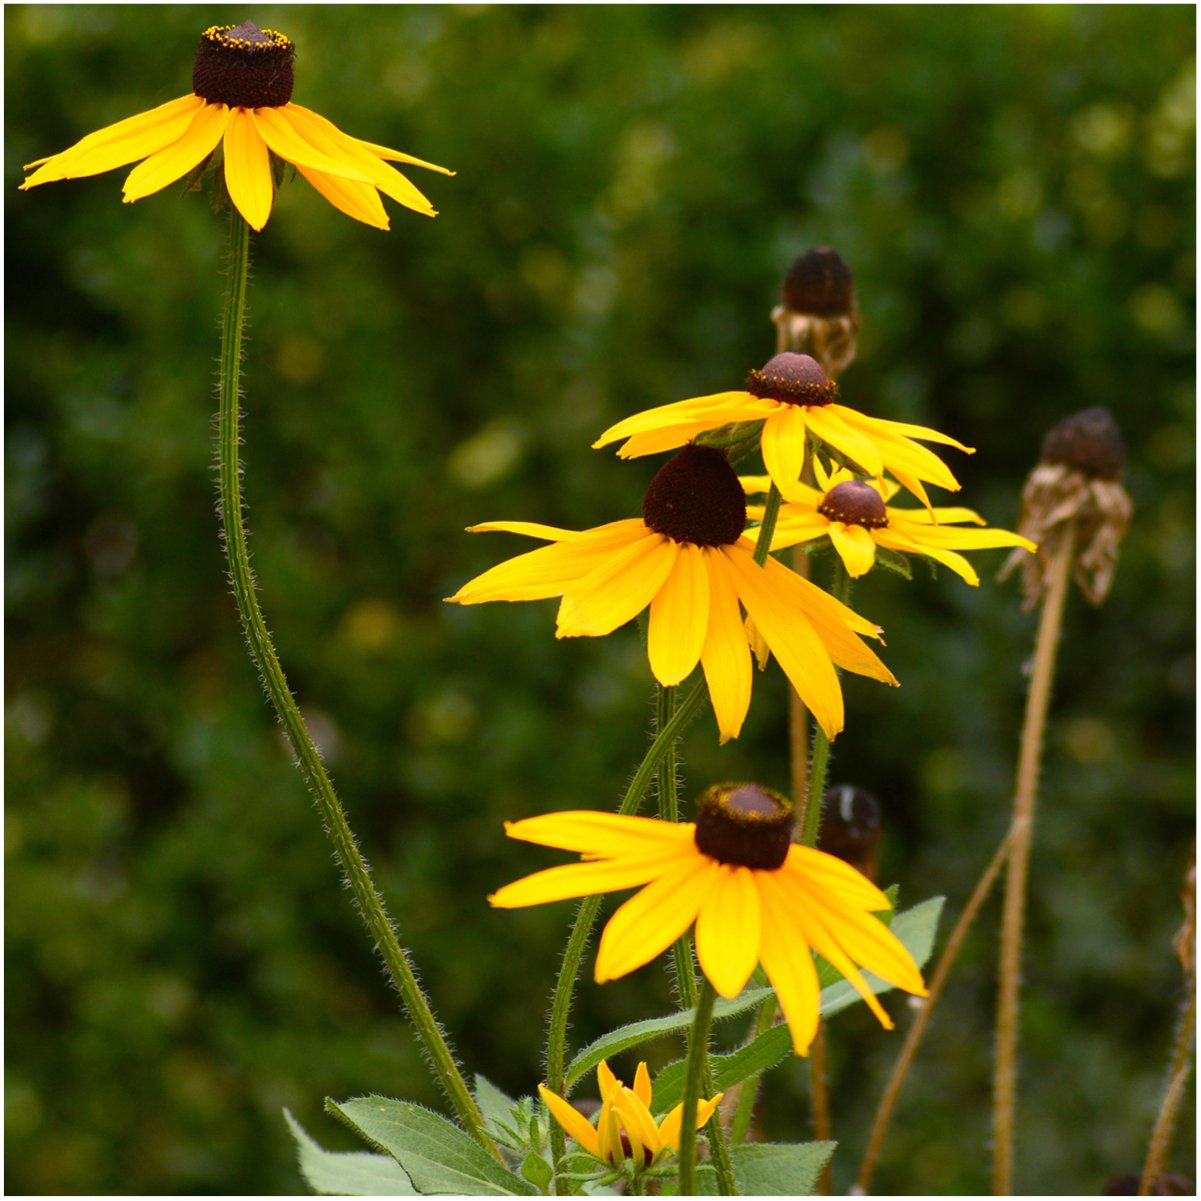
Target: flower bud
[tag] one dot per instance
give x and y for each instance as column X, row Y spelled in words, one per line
column 850, row 827
column 817, row 313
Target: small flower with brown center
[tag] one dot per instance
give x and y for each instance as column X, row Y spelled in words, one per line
column 1076, row 481
column 755, row 896
column 817, row 314
column 688, row 559
column 242, row 101
column 795, row 399
column 854, row 515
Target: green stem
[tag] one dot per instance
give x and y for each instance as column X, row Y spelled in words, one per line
column 262, row 651
column 695, row 1072
column 767, row 527
column 740, row 1128
column 585, row 919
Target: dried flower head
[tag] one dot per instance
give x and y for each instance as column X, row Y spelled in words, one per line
column 1076, row 481
column 817, row 314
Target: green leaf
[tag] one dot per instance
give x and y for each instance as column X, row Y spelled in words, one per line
column 706, row 1183
column 762, row 1053
column 915, row 928
column 625, row 1037
column 348, row 1173
column 436, row 1155
column 892, row 560
column 537, row 1171
column 779, row 1169
column 495, row 1107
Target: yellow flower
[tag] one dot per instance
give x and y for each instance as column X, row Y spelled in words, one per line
column 756, row 897
column 854, row 514
column 241, row 98
column 689, row 560
column 793, row 398
column 625, row 1128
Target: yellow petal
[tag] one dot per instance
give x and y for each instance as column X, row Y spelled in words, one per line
column 925, row 433
column 549, row 570
column 358, row 200
column 167, row 165
column 669, row 1128
column 248, row 169
column 800, row 525
column 798, row 649
column 326, row 137
column 834, row 426
column 940, row 516
column 709, row 411
column 602, row 834
column 789, row 965
column 651, row 920
column 607, row 1082
column 115, row 145
column 581, row 880
column 643, row 1089
column 679, row 621
column 783, row 445
column 639, row 1126
column 399, row 156
column 617, row 589
column 552, row 533
column 727, row 930
column 753, row 484
column 608, row 1135
column 725, row 656
column 571, row 1120
column 278, row 129
column 855, row 547
column 832, row 875
column 654, row 442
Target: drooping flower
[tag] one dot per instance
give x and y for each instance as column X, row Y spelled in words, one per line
column 854, row 515
column 242, row 100
column 818, row 314
column 756, row 897
column 794, row 398
column 625, row 1128
column 690, row 561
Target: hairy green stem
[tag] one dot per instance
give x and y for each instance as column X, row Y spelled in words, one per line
column 695, row 1072
column 262, row 651
column 585, row 919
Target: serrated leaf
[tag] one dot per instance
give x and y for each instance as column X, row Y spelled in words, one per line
column 436, row 1155
column 706, row 1183
column 762, row 1053
column 779, row 1169
column 348, row 1173
column 625, row 1037
column 915, row 928
column 537, row 1171
column 892, row 560
column 495, row 1107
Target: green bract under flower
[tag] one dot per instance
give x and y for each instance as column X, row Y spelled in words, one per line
column 241, row 102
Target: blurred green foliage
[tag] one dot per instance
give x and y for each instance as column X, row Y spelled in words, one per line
column 1013, row 187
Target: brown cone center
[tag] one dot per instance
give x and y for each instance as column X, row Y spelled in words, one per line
column 1090, row 442
column 696, row 497
column 744, row 824
column 793, row 379
column 819, row 283
column 854, row 503
column 243, row 66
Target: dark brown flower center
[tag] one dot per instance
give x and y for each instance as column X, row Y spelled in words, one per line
column 744, row 824
column 795, row 379
column 696, row 497
column 243, row 66
column 855, row 503
column 1090, row 442
column 819, row 283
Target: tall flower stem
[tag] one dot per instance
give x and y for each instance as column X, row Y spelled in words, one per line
column 1169, row 1111
column 917, row 1030
column 695, row 1072
column 262, row 651
column 669, row 811
column 1059, row 553
column 585, row 919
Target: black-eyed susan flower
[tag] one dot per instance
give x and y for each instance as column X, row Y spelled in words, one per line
column 625, row 1128
column 855, row 517
column 689, row 560
column 242, row 101
column 756, row 897
column 794, row 399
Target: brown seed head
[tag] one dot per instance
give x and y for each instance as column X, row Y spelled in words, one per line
column 744, row 824
column 696, row 497
column 243, row 66
column 855, row 503
column 1089, row 441
column 791, row 378
column 819, row 283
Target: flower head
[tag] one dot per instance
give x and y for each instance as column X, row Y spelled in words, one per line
column 1077, row 479
column 625, row 1128
column 794, row 398
column 817, row 313
column 756, row 897
column 242, row 101
column 854, row 515
column 688, row 559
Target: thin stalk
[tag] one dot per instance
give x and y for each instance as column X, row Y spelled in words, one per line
column 585, row 919
column 1021, row 833
column 695, row 1071
column 819, row 1100
column 913, row 1036
column 740, row 1127
column 262, row 651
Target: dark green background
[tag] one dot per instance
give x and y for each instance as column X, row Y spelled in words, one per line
column 1014, row 190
